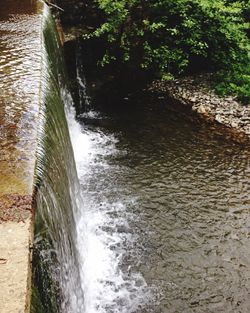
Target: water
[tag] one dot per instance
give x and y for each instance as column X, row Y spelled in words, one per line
column 56, row 274
column 159, row 222
column 84, row 99
column 20, row 47
column 103, row 231
column 166, row 213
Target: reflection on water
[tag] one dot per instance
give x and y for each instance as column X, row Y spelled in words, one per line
column 20, row 62
column 177, row 198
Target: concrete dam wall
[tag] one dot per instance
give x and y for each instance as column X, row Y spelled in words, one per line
column 20, row 71
column 38, row 181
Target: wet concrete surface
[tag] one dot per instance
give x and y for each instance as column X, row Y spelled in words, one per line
column 15, row 263
column 20, row 63
column 15, row 208
column 20, row 68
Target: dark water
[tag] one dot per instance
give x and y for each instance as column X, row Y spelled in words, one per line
column 184, row 192
column 161, row 223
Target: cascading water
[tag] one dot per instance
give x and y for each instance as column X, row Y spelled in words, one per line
column 56, row 270
column 150, row 192
column 84, row 100
column 80, row 237
column 104, row 236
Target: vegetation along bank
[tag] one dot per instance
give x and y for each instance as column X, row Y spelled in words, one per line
column 171, row 40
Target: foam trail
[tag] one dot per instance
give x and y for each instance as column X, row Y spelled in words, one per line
column 102, row 246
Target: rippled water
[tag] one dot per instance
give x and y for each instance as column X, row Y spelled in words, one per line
column 20, row 63
column 166, row 225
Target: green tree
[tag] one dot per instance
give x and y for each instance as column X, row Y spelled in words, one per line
column 173, row 37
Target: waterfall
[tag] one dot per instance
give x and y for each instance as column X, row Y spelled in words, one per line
column 129, row 216
column 76, row 261
column 84, row 100
column 57, row 286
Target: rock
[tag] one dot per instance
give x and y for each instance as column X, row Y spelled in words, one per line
column 219, row 118
column 201, row 109
column 234, row 124
column 197, row 93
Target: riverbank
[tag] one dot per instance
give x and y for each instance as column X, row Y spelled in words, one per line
column 197, row 94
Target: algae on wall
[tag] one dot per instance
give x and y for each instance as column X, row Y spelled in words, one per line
column 56, row 278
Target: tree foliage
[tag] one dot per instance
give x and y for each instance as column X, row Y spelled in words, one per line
column 173, row 37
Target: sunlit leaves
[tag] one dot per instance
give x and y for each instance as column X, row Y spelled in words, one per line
column 170, row 36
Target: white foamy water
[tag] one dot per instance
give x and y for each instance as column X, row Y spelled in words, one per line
column 104, row 234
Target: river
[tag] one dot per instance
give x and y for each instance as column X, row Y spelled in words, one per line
column 160, row 223
column 165, row 225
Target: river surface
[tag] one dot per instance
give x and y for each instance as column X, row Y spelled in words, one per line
column 166, row 224
column 163, row 225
